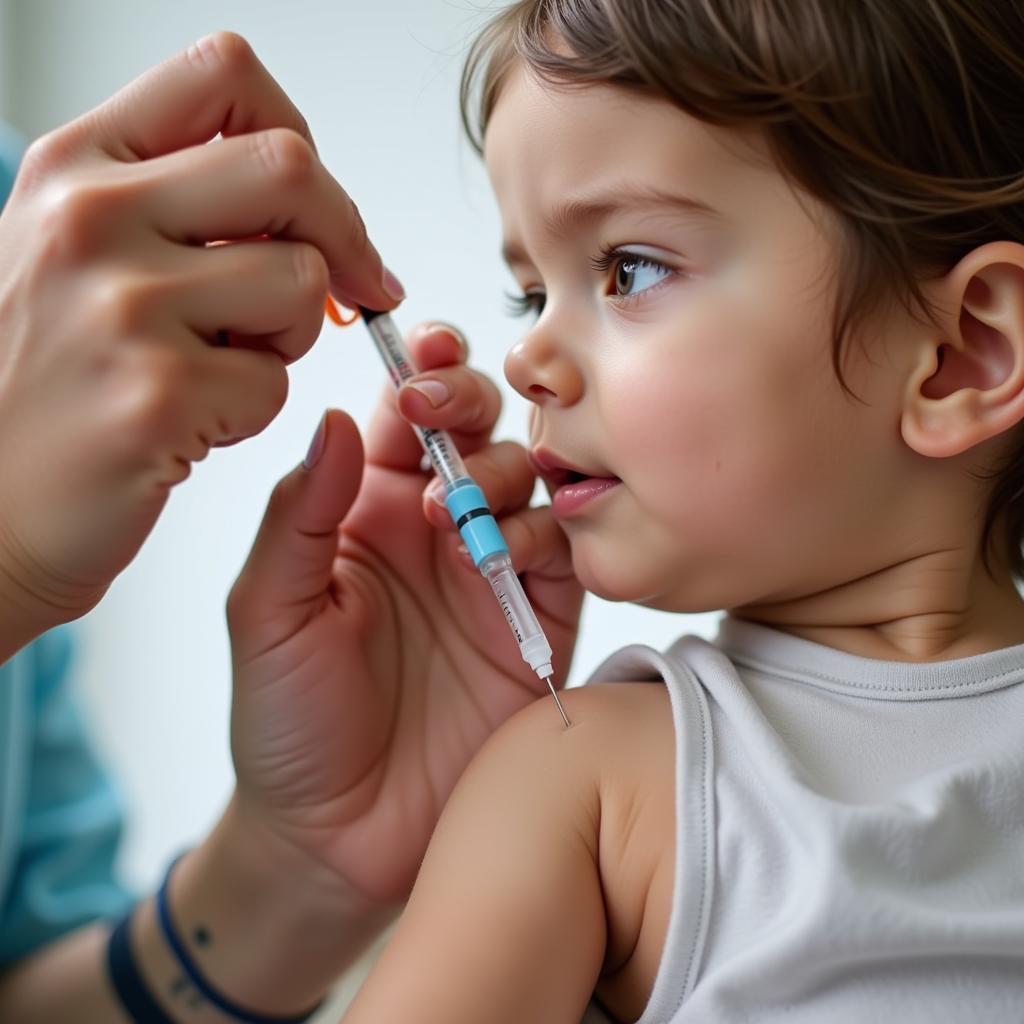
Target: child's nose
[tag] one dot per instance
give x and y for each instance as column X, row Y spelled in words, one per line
column 540, row 370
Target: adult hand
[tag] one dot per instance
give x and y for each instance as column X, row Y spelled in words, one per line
column 370, row 658
column 112, row 299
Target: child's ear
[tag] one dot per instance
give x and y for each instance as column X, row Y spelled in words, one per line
column 968, row 384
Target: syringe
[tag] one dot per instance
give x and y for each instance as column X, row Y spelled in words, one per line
column 468, row 508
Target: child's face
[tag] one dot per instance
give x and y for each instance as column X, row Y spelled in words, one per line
column 695, row 376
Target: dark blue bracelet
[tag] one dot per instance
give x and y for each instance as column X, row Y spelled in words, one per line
column 199, row 982
column 136, row 999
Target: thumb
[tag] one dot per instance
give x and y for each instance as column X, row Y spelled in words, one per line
column 292, row 557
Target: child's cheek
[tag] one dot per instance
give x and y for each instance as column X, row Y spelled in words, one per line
column 674, row 414
column 714, row 413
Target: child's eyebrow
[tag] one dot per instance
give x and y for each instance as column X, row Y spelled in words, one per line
column 585, row 208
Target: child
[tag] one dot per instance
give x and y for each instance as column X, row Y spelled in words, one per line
column 778, row 368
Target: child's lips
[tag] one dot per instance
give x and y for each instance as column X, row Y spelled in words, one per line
column 571, row 497
column 570, row 486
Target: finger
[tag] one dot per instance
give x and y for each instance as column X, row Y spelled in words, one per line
column 271, row 293
column 217, row 85
column 470, row 404
column 238, row 394
column 266, row 183
column 451, row 398
column 291, row 560
column 503, row 473
column 436, row 344
column 538, row 545
column 176, row 401
column 391, row 441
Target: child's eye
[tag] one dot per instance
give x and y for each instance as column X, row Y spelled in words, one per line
column 634, row 273
column 530, row 304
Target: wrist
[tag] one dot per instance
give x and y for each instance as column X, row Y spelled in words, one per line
column 266, row 925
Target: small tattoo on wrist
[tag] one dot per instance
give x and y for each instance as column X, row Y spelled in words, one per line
column 182, row 991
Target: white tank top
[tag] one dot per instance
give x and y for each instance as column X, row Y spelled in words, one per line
column 850, row 834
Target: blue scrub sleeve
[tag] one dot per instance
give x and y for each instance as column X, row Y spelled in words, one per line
column 65, row 816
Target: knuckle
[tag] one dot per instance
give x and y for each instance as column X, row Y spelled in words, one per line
column 43, row 157
column 71, row 220
column 120, row 304
column 223, row 52
column 285, row 156
column 152, row 394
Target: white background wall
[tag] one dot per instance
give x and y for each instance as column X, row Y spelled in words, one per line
column 377, row 81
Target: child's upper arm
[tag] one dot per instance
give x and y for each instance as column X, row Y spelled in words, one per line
column 506, row 922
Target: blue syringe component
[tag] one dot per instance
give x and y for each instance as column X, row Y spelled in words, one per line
column 467, row 506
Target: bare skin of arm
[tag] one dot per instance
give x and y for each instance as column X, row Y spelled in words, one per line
column 545, row 878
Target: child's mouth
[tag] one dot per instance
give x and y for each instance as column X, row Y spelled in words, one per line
column 571, row 488
column 579, row 490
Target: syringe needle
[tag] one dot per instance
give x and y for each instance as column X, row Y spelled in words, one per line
column 558, row 703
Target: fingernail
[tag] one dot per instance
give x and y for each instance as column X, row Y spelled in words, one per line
column 434, row 391
column 316, row 446
column 435, row 492
column 393, row 286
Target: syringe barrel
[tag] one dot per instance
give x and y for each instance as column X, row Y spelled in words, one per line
column 444, row 456
column 533, row 645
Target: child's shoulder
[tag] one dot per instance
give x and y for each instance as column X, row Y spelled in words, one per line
column 603, row 710
column 614, row 775
column 619, row 731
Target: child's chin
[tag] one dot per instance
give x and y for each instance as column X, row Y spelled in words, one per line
column 629, row 584
column 600, row 577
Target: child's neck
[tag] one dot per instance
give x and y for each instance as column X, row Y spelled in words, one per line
column 935, row 607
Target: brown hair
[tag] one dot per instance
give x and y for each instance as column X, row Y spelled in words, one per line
column 906, row 117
